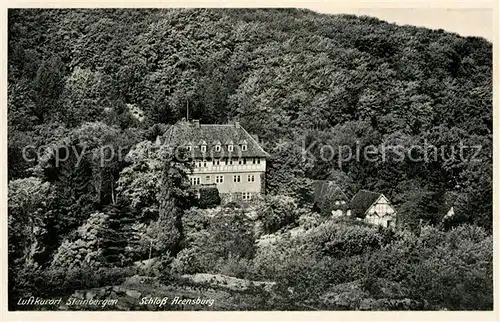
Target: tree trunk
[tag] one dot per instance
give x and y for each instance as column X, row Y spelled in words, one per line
column 113, row 198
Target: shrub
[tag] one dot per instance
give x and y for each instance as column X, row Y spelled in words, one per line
column 436, row 270
column 274, row 260
column 308, row 220
column 209, row 198
column 235, row 266
column 276, row 212
column 227, row 233
column 193, row 221
column 211, row 237
column 187, row 261
column 233, row 205
column 456, row 273
column 451, row 270
column 340, row 240
column 85, row 250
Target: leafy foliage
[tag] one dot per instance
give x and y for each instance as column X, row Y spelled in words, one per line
column 276, row 212
column 215, row 242
column 27, row 220
column 439, row 269
column 87, row 87
column 209, row 197
column 87, row 249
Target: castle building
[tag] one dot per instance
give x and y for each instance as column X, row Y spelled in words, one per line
column 225, row 156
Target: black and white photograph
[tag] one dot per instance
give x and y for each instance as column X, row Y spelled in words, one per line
column 249, row 159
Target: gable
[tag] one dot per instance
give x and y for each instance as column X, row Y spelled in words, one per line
column 381, row 207
column 329, row 196
column 382, row 200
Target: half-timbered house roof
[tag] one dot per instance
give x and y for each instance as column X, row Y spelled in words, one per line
column 362, row 201
column 328, row 196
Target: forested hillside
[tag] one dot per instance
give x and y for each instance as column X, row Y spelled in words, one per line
column 295, row 78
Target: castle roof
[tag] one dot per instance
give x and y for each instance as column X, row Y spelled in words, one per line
column 184, row 133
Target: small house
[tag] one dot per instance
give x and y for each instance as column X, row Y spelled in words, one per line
column 330, row 199
column 373, row 208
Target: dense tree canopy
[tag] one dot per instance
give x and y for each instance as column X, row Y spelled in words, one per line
column 286, row 74
column 90, row 90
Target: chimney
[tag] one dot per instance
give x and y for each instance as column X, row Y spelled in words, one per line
column 196, row 123
column 237, row 124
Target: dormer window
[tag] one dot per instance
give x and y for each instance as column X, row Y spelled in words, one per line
column 203, row 146
column 229, row 145
column 217, row 146
column 243, row 145
column 188, row 147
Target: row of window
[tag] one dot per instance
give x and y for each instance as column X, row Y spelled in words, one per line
column 204, row 164
column 195, row 181
column 220, row 179
column 243, row 195
column 250, row 178
column 203, row 148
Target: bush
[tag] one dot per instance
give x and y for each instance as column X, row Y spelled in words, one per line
column 226, row 233
column 213, row 236
column 340, row 240
column 236, row 266
column 452, row 270
column 309, row 220
column 276, row 212
column 193, row 221
column 456, row 273
column 274, row 260
column 233, row 205
column 209, row 198
column 85, row 250
column 187, row 261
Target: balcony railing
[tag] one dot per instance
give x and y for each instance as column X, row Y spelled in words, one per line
column 229, row 168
